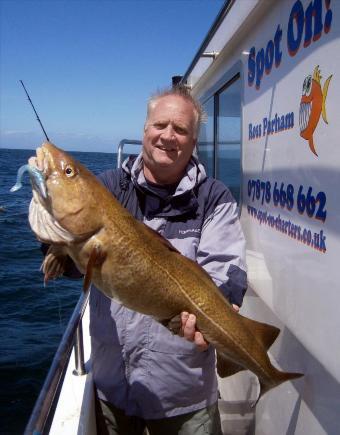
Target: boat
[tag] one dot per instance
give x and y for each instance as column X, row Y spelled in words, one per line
column 266, row 75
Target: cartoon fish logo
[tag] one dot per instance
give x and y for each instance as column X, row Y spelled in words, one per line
column 312, row 105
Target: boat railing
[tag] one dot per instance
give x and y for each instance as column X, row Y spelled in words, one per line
column 121, row 145
column 43, row 411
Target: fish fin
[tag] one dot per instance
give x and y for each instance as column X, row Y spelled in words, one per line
column 225, row 367
column 263, row 332
column 311, row 146
column 53, row 265
column 161, row 239
column 279, row 379
column 324, row 96
column 96, row 258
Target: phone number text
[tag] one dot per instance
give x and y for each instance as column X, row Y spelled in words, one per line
column 286, row 196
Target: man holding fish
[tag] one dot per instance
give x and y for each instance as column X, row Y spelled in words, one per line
column 145, row 375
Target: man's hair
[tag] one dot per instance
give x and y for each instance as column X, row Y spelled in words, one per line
column 183, row 92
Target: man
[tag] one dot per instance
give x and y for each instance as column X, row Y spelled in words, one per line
column 144, row 375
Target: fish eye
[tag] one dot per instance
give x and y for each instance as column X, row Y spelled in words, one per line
column 69, row 171
column 307, row 85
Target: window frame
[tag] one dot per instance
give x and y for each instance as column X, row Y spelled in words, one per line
column 231, row 76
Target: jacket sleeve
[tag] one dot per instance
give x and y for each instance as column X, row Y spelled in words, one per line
column 221, row 250
column 111, row 180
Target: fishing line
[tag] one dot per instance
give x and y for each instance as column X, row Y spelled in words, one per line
column 36, row 114
column 56, row 292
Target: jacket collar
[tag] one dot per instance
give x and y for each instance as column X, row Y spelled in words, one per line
column 194, row 174
column 184, row 200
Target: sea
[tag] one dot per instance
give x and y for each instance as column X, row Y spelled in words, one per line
column 33, row 318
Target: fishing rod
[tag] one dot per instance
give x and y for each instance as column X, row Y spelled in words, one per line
column 38, row 119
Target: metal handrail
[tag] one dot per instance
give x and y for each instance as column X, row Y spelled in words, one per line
column 218, row 20
column 79, row 352
column 41, row 417
column 121, row 145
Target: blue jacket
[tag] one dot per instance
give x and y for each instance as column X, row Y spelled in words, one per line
column 138, row 365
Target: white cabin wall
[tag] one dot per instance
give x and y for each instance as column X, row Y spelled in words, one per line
column 229, row 46
column 292, row 284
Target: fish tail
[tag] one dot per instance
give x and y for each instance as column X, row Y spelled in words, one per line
column 311, row 146
column 263, row 333
column 324, row 96
column 279, row 378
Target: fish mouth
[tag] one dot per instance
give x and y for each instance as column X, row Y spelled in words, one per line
column 38, row 181
column 40, row 171
column 43, row 159
column 304, row 115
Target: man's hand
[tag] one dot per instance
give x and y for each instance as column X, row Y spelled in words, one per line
column 189, row 331
column 236, row 307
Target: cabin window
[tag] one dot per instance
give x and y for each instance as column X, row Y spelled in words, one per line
column 228, row 135
column 219, row 142
column 206, row 138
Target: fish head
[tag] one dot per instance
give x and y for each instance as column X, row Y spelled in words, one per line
column 310, row 106
column 71, row 192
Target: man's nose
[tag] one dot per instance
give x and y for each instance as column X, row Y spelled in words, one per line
column 168, row 134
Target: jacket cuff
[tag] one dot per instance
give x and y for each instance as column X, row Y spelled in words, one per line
column 236, row 286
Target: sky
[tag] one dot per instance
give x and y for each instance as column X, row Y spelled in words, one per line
column 90, row 66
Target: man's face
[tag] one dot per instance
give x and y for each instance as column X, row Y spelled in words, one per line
column 169, row 139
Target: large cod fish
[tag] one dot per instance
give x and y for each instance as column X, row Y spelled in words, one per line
column 134, row 265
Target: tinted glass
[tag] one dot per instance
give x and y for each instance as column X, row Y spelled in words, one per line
column 206, row 138
column 229, row 136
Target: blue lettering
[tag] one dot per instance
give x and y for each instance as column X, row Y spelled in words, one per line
column 289, row 120
column 328, row 17
column 296, row 16
column 313, row 10
column 251, row 66
column 301, row 23
column 282, row 123
column 254, row 131
column 322, row 242
column 259, row 67
column 265, row 125
column 277, row 41
column 263, row 60
column 269, row 57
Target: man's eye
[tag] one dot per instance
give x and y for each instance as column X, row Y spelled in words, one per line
column 181, row 130
column 159, row 125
